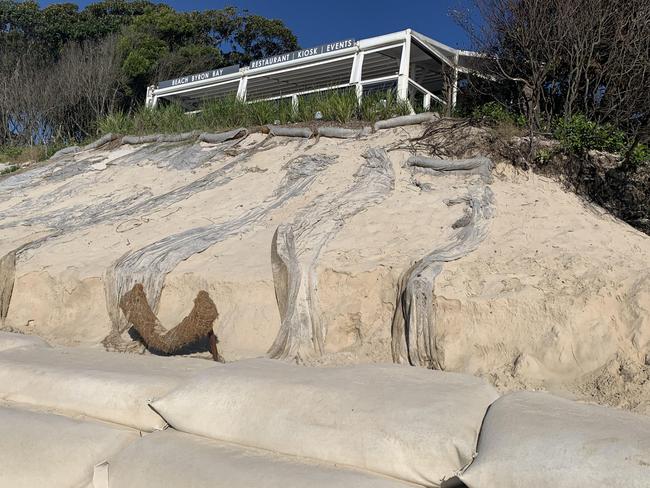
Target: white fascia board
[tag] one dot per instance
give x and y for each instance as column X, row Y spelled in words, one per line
column 193, row 86
column 372, row 42
column 383, row 48
column 341, row 53
column 286, row 67
column 444, row 52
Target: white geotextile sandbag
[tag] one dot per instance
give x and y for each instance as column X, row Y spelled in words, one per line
column 177, row 460
column 412, row 424
column 45, row 450
column 108, row 386
column 536, row 439
column 11, row 340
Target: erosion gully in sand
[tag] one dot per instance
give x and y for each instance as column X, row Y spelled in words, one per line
column 296, row 245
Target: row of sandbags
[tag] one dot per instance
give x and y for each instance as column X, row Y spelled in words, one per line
column 388, row 425
column 42, row 449
column 211, row 138
column 214, row 138
column 385, row 419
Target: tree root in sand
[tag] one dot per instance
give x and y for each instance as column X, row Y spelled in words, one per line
column 197, row 325
column 7, row 272
column 413, row 329
column 149, row 265
column 296, row 249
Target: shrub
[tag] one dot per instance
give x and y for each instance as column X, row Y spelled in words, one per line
column 9, row 169
column 640, row 154
column 381, row 105
column 497, row 113
column 341, row 105
column 22, row 154
column 117, row 123
column 260, row 113
column 10, row 153
column 578, row 134
column 223, row 113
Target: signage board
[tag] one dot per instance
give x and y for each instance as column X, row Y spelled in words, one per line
column 206, row 75
column 303, row 53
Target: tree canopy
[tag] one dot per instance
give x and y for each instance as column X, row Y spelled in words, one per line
column 154, row 40
column 62, row 68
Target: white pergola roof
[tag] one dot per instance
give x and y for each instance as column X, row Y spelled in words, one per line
column 411, row 61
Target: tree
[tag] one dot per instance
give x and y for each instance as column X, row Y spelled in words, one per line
column 559, row 58
column 61, row 68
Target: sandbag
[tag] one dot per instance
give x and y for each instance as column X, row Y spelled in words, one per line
column 66, row 151
column 341, row 132
column 177, row 460
column 108, row 386
column 105, row 139
column 184, row 136
column 45, row 450
column 291, row 131
column 412, row 424
column 10, row 340
column 140, row 139
column 405, row 120
column 536, row 439
column 222, row 136
column 480, row 165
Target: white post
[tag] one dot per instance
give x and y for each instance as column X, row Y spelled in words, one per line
column 151, row 99
column 355, row 75
column 403, row 80
column 242, row 89
column 427, row 102
column 454, row 88
column 294, row 103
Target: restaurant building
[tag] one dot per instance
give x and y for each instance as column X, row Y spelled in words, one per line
column 420, row 69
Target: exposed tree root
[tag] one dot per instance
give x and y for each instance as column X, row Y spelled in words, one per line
column 413, row 329
column 150, row 264
column 196, row 326
column 7, row 275
column 296, row 249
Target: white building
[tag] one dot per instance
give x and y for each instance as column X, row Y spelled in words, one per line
column 420, row 69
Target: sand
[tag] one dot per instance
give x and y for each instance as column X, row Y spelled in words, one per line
column 557, row 295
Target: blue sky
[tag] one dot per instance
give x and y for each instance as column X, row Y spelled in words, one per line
column 318, row 22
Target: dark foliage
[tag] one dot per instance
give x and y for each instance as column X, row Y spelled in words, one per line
column 62, row 67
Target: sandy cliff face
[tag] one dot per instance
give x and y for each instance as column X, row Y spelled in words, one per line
column 305, row 247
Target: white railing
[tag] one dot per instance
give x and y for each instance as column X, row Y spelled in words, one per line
column 428, row 96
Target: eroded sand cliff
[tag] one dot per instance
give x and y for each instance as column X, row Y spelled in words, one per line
column 530, row 287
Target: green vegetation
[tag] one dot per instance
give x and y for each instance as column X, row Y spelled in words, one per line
column 64, row 68
column 578, row 134
column 21, row 154
column 497, row 113
column 339, row 106
column 9, row 169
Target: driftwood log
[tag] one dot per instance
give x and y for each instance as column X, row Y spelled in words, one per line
column 196, row 326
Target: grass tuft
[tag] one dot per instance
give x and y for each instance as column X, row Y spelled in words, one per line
column 226, row 113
